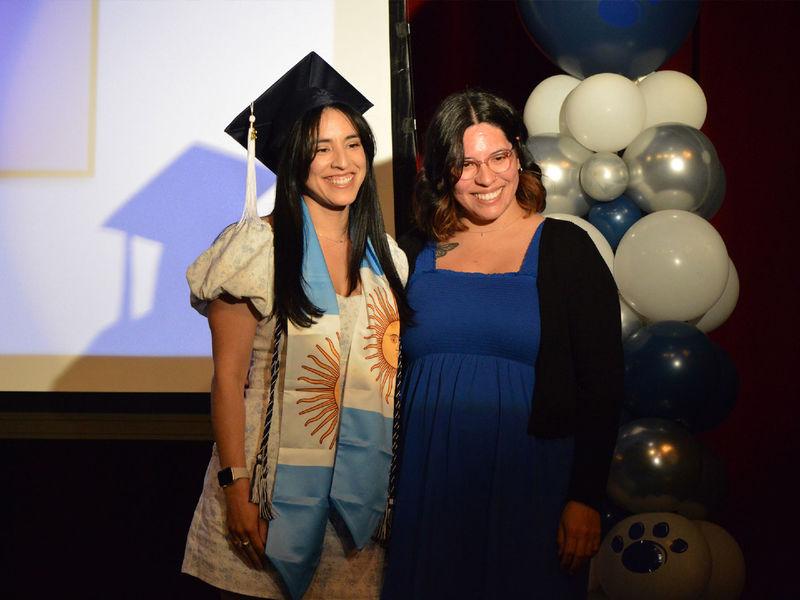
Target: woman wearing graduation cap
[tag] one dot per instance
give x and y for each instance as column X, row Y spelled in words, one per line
column 304, row 311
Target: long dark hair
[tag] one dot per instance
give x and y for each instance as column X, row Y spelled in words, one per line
column 436, row 211
column 365, row 220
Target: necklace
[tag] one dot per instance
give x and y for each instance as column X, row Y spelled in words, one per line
column 503, row 228
column 341, row 241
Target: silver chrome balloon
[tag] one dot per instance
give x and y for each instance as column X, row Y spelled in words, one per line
column 656, row 466
column 711, row 489
column 604, row 176
column 560, row 158
column 711, row 206
column 674, row 166
column 630, row 320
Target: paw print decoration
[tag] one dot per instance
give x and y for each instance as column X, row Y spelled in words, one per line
column 658, row 556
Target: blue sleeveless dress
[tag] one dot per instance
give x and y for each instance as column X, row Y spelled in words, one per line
column 479, row 500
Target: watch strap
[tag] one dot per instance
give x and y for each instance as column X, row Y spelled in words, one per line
column 228, row 475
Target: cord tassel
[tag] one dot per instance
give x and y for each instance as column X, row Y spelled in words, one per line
column 384, row 530
column 250, row 212
column 259, row 488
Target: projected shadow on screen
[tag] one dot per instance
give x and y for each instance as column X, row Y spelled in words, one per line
column 183, row 209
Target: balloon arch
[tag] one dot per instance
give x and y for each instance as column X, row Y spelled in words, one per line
column 623, row 156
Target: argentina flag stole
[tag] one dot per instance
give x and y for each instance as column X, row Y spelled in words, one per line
column 335, row 427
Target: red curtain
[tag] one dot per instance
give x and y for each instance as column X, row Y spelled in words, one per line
column 744, row 56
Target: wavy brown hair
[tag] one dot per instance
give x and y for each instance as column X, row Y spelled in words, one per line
column 436, row 211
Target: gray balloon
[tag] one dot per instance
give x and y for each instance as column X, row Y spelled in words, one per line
column 560, row 158
column 604, row 176
column 674, row 166
column 656, row 466
column 711, row 206
column 630, row 320
column 712, row 488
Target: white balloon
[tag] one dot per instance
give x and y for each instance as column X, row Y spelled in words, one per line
column 658, row 556
column 598, row 238
column 723, row 307
column 605, row 112
column 562, row 120
column 727, row 563
column 573, row 205
column 541, row 114
column 594, row 580
column 673, row 97
column 671, row 265
column 604, row 176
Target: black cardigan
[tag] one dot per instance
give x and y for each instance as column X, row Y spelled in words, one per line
column 579, row 369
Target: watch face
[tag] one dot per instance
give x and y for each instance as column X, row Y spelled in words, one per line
column 225, row 477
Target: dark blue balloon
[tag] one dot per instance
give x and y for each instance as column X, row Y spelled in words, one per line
column 719, row 404
column 671, row 371
column 614, row 218
column 629, row 37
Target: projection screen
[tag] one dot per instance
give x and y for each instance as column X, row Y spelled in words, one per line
column 115, row 172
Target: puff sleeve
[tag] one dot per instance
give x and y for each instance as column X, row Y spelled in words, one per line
column 240, row 263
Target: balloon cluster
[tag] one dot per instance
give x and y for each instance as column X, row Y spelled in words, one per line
column 623, row 157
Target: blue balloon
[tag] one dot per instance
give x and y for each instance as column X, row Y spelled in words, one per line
column 629, row 37
column 614, row 218
column 719, row 404
column 671, row 372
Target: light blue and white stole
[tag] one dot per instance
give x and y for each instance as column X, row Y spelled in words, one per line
column 335, row 441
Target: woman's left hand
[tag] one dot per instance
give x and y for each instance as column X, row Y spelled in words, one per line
column 578, row 535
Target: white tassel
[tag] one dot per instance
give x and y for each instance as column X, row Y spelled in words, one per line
column 259, row 494
column 384, row 530
column 250, row 213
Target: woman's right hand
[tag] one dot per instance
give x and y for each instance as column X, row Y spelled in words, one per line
column 247, row 531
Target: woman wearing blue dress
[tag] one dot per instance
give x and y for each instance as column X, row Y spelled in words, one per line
column 512, row 375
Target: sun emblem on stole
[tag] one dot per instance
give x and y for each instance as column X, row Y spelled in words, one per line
column 324, row 401
column 384, row 323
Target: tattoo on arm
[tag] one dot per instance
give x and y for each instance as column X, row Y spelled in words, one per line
column 442, row 249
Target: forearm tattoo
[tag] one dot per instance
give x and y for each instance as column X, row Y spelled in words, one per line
column 442, row 249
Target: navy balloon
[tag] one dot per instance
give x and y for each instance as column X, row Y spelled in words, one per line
column 671, row 371
column 720, row 402
column 614, row 218
column 629, row 37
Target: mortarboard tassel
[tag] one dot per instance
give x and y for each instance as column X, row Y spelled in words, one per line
column 250, row 212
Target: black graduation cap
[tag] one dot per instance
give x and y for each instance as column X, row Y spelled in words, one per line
column 310, row 83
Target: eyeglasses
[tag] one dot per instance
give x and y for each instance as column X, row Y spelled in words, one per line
column 499, row 162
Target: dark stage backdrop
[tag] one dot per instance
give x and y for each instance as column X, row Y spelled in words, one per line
column 744, row 56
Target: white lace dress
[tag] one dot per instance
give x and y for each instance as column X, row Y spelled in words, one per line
column 240, row 263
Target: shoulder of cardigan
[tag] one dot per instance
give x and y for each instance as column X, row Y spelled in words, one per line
column 563, row 245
